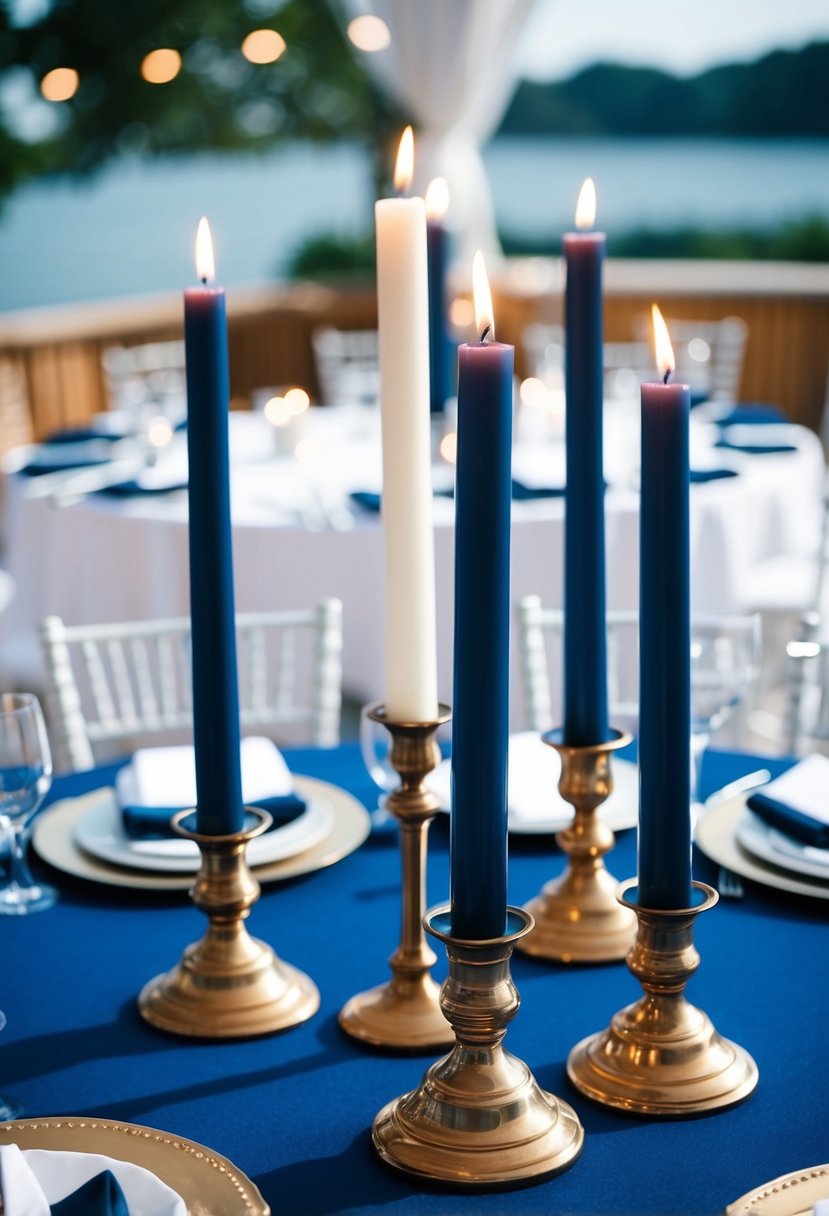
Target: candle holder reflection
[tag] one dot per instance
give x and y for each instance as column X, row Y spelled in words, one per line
column 228, row 985
column 578, row 918
column 404, row 1013
column 478, row 1118
column 661, row 1055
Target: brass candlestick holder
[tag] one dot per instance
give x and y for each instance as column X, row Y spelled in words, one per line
column 577, row 916
column 405, row 1012
column 661, row 1056
column 228, row 985
column 478, row 1117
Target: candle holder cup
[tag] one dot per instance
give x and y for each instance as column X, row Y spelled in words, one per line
column 661, row 1055
column 478, row 1117
column 578, row 918
column 404, row 1013
column 229, row 984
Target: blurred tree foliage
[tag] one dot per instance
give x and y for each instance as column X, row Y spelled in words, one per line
column 316, row 90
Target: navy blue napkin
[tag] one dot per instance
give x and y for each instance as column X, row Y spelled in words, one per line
column 370, row 501
column 789, row 821
column 47, row 462
column 759, row 413
column 755, row 449
column 100, row 1196
column 700, row 475
column 134, row 489
column 80, row 434
column 153, row 822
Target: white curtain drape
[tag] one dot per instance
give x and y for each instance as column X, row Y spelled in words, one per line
column 451, row 65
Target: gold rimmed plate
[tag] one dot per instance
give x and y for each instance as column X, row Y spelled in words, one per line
column 54, row 841
column 717, row 836
column 792, row 1194
column 209, row 1184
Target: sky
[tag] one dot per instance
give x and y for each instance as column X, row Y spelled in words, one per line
column 681, row 36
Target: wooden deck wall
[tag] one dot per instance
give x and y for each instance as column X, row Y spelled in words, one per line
column 50, row 359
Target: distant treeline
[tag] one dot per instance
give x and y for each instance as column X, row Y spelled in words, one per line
column 784, row 93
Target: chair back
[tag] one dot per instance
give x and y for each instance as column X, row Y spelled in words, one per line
column 151, row 374
column 123, row 682
column 725, row 663
column 348, row 365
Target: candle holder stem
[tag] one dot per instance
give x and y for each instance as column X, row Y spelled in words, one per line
column 661, row 1055
column 404, row 1013
column 228, row 984
column 577, row 916
column 478, row 1118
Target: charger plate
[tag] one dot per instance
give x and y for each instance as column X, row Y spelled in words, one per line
column 792, row 1194
column 208, row 1183
column 54, row 841
column 716, row 835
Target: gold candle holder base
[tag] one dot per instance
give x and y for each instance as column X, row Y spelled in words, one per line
column 661, row 1056
column 478, row 1118
column 404, row 1013
column 578, row 918
column 228, row 985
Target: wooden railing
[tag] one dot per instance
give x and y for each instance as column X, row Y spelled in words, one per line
column 50, row 359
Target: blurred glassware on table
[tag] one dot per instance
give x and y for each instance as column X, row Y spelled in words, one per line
column 348, row 365
column 25, row 779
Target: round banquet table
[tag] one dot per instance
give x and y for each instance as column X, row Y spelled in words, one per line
column 294, row 1110
column 108, row 558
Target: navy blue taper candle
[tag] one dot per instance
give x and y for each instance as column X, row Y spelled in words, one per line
column 480, row 722
column 442, row 351
column 215, row 685
column 664, row 642
column 585, row 641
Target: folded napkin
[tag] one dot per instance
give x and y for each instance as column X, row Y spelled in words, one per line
column 162, row 780
column 44, row 1182
column 521, row 492
column 755, row 449
column 758, row 413
column 80, row 434
column 138, row 489
column 701, row 475
column 797, row 803
column 50, row 461
column 101, row 1196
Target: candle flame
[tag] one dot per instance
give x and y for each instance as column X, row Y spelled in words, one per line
column 664, row 351
column 437, row 198
column 205, row 265
column 484, row 315
column 586, row 204
column 404, row 166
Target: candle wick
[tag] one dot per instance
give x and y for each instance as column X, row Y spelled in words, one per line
column 667, row 376
column 487, row 328
column 204, row 280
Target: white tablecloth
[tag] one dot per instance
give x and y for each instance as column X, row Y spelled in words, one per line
column 108, row 559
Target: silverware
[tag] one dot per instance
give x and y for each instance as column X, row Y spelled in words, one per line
column 741, row 786
column 729, row 884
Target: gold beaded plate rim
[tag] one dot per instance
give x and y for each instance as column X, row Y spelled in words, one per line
column 209, row 1184
column 793, row 1194
column 54, row 841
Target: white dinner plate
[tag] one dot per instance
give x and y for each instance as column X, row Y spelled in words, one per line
column 54, row 841
column 771, row 846
column 716, row 835
column 101, row 832
column 535, row 805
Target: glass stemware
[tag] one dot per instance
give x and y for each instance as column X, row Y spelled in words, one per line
column 725, row 665
column 25, row 778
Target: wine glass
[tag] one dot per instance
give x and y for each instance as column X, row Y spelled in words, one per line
column 725, row 664
column 25, row 778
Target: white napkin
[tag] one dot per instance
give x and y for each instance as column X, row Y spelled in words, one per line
column 33, row 1179
column 821, row 1208
column 804, row 788
column 166, row 776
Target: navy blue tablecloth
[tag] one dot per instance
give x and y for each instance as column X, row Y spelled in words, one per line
column 294, row 1111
